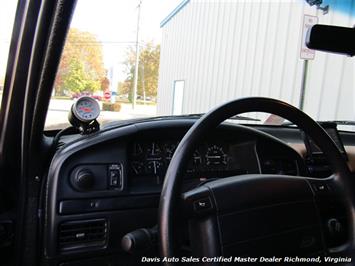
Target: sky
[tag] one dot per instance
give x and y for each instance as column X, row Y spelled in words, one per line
column 113, row 22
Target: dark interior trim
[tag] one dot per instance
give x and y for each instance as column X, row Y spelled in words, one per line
column 49, row 37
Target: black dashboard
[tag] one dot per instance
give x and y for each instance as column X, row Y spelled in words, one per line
column 149, row 159
column 220, row 155
column 104, row 185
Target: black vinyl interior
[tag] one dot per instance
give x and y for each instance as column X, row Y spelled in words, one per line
column 134, row 204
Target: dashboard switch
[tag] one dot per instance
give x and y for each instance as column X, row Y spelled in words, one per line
column 202, row 204
column 115, row 176
column 84, row 180
column 321, row 187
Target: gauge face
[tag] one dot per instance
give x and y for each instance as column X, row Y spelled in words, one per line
column 86, row 109
column 154, row 167
column 170, row 149
column 153, row 150
column 215, row 156
column 137, row 149
column 138, row 167
column 197, row 159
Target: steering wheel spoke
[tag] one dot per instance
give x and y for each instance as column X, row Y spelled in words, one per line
column 199, row 202
column 333, row 212
column 241, row 219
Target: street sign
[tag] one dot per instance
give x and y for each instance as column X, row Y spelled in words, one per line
column 308, row 21
column 107, row 95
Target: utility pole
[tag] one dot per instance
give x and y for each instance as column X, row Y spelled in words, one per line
column 303, row 84
column 143, row 84
column 135, row 82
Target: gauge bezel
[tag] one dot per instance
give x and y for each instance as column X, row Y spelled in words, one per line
column 75, row 111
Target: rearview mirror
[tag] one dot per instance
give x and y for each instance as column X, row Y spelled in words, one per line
column 332, row 39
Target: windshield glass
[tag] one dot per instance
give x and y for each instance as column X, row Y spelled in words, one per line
column 155, row 57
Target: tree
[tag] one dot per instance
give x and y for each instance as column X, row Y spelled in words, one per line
column 73, row 78
column 105, row 84
column 147, row 73
column 81, row 67
column 124, row 87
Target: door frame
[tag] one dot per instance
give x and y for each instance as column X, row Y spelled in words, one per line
column 37, row 41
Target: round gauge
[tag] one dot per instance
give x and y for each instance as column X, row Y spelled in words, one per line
column 86, row 109
column 137, row 167
column 197, row 159
column 154, row 167
column 170, row 149
column 137, row 149
column 153, row 149
column 215, row 156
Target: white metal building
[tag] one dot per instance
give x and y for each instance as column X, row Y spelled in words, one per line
column 215, row 51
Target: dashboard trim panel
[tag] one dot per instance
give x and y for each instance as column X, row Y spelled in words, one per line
column 62, row 201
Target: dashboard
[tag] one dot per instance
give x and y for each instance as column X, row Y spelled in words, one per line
column 104, row 185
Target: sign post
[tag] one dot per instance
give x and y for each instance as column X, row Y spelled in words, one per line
column 306, row 54
column 308, row 22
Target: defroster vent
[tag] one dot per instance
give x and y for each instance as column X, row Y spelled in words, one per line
column 82, row 234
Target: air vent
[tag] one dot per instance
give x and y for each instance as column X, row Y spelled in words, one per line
column 82, row 234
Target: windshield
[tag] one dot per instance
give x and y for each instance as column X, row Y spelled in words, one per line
column 156, row 57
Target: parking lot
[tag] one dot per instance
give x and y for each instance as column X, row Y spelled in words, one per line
column 57, row 116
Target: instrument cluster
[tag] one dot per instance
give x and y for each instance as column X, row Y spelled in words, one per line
column 152, row 158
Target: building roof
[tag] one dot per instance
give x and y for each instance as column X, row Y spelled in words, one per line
column 174, row 12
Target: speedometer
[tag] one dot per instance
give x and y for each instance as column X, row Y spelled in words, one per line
column 86, row 109
column 215, row 156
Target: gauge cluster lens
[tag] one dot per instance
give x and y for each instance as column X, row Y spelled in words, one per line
column 153, row 149
column 86, row 109
column 137, row 167
column 152, row 158
column 170, row 150
column 215, row 156
column 197, row 159
column 137, row 149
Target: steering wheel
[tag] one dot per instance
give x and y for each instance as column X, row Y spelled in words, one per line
column 257, row 215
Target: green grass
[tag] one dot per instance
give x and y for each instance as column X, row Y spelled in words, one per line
column 61, row 97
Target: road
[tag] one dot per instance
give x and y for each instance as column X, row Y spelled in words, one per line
column 57, row 116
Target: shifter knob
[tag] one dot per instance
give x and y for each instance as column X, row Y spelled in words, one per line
column 139, row 240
